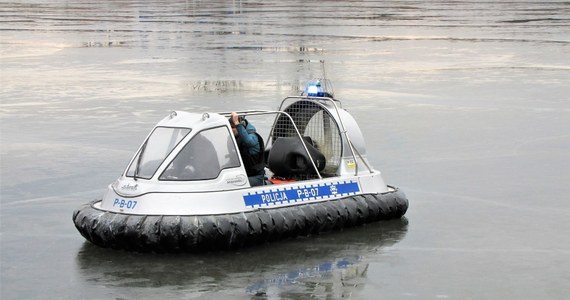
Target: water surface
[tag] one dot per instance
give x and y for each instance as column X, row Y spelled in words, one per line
column 464, row 105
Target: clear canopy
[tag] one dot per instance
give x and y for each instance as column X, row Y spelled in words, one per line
column 203, row 157
column 155, row 150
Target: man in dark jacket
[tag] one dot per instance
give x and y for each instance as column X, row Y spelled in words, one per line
column 251, row 149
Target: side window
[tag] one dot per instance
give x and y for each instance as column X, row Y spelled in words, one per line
column 205, row 155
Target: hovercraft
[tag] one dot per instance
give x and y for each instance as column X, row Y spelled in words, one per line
column 186, row 188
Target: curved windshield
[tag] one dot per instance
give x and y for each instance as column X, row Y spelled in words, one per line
column 200, row 159
column 155, row 150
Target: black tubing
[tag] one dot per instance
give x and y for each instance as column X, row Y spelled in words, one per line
column 229, row 231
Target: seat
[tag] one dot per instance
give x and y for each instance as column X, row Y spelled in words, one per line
column 288, row 158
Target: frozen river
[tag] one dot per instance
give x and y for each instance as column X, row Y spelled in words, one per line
column 465, row 105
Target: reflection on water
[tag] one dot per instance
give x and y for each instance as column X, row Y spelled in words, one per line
column 330, row 275
column 328, row 265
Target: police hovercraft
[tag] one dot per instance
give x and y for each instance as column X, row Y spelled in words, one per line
column 186, row 188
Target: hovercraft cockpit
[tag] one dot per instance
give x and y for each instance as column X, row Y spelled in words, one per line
column 312, row 137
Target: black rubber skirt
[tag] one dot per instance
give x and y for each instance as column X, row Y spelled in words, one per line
column 192, row 233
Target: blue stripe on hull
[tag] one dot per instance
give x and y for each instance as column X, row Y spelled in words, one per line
column 300, row 193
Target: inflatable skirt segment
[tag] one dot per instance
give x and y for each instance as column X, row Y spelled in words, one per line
column 199, row 233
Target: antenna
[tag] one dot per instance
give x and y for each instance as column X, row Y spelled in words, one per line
column 322, row 61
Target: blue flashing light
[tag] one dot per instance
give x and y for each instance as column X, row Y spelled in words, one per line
column 313, row 90
column 318, row 88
